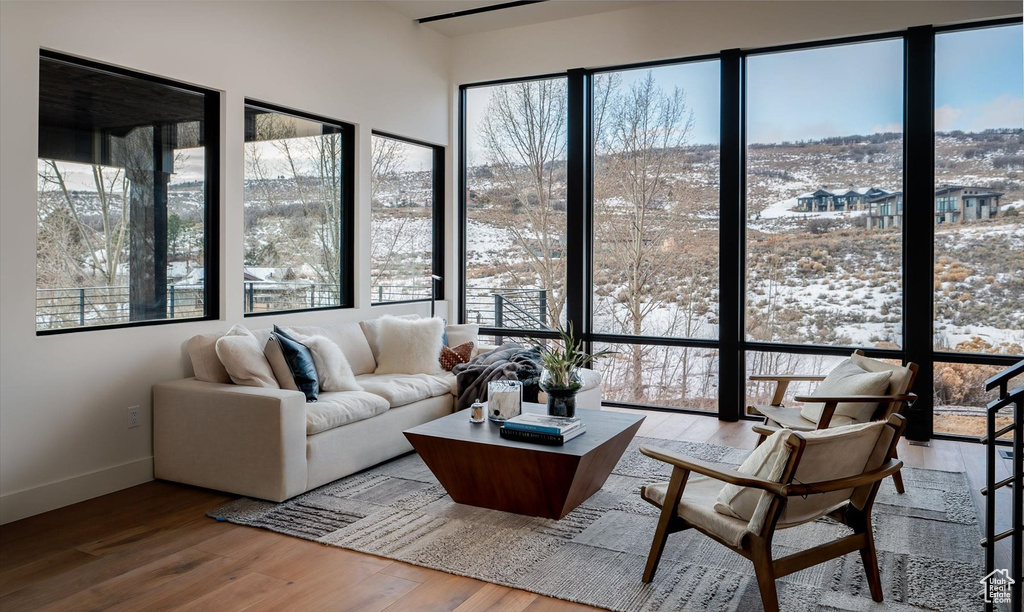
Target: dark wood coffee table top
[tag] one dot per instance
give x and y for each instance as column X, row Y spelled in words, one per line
column 480, row 468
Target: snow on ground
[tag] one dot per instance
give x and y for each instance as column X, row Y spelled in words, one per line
column 785, row 208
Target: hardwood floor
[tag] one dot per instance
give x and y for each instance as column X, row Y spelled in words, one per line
column 151, row 547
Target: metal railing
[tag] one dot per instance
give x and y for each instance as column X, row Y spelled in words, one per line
column 399, row 293
column 266, row 296
column 80, row 306
column 1007, row 398
column 507, row 308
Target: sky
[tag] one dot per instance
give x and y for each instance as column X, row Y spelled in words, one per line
column 844, row 90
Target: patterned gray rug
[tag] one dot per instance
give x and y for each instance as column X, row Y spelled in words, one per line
column 927, row 541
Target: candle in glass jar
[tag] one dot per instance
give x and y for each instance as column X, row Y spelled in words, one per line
column 476, row 412
column 504, row 399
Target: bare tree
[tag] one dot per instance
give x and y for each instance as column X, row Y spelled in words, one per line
column 646, row 128
column 524, row 134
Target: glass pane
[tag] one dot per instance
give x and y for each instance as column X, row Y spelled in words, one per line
column 979, row 191
column 121, row 199
column 515, row 204
column 824, row 199
column 761, row 363
column 683, row 377
column 960, row 398
column 293, row 206
column 401, row 222
column 656, row 175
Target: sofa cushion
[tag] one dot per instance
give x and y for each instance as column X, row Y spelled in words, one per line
column 337, row 408
column 409, row 347
column 452, row 356
column 242, row 356
column 202, row 351
column 350, row 339
column 275, row 355
column 461, row 334
column 402, row 389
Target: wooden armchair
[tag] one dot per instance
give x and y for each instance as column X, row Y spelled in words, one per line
column 896, row 397
column 812, row 484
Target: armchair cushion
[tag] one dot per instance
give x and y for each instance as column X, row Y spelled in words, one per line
column 849, row 379
column 767, row 461
column 697, row 507
column 790, row 418
column 899, row 382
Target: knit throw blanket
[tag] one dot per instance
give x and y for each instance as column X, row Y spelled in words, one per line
column 509, row 361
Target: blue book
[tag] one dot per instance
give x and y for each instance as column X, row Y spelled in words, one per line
column 542, row 423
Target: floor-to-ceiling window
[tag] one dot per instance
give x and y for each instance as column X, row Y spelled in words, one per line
column 979, row 218
column 655, row 135
column 824, row 173
column 760, row 211
column 515, row 203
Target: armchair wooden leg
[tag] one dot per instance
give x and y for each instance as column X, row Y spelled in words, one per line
column 668, row 511
column 870, row 560
column 897, row 478
column 761, row 555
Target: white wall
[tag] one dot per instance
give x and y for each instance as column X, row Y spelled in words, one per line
column 63, row 434
column 679, row 29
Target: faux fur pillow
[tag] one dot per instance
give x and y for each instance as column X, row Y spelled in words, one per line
column 332, row 367
column 243, row 358
column 409, row 346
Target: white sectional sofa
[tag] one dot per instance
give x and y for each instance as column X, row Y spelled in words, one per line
column 270, row 444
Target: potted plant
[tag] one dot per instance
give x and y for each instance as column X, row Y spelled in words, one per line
column 561, row 379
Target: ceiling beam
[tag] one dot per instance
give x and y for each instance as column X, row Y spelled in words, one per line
column 482, row 9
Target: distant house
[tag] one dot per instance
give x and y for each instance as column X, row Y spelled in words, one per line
column 957, row 203
column 953, row 204
column 885, row 211
column 833, row 200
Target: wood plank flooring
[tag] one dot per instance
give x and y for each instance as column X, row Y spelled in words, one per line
column 151, row 547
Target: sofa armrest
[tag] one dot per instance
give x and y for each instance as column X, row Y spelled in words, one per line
column 245, row 440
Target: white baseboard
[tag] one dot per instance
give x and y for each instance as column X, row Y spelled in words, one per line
column 29, row 502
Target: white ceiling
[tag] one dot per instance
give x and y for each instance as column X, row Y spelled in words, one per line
column 506, row 18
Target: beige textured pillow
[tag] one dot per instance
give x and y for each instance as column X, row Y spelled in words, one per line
column 849, row 379
column 900, row 379
column 244, row 360
column 767, row 461
column 409, row 346
column 275, row 355
column 332, row 368
column 461, row 334
column 202, row 351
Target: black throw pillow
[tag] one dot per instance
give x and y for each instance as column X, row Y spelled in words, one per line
column 300, row 362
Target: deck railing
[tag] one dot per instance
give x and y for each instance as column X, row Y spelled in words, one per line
column 79, row 306
column 1008, row 398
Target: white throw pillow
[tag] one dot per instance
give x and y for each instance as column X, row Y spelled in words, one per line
column 767, row 461
column 371, row 329
column 849, row 379
column 332, row 368
column 463, row 333
column 243, row 358
column 409, row 346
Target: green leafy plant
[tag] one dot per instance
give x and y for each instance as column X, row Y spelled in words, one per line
column 564, row 358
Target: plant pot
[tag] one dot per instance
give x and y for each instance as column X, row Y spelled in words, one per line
column 561, row 392
column 562, row 402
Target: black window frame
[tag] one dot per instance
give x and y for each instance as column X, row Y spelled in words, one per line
column 437, row 242
column 346, row 289
column 211, row 190
column 917, row 227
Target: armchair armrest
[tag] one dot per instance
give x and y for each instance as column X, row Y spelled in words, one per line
column 707, row 469
column 851, row 482
column 828, row 399
column 786, row 377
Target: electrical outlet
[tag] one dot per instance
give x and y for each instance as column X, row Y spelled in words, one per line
column 133, row 416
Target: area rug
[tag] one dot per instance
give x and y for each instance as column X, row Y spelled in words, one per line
column 927, row 541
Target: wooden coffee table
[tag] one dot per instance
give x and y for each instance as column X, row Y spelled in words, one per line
column 480, row 468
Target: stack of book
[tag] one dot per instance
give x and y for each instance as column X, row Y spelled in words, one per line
column 542, row 429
